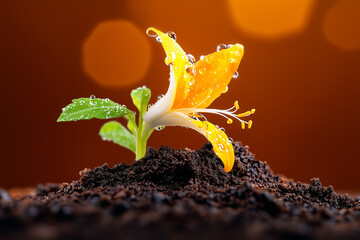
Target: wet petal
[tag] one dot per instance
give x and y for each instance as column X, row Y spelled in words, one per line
column 220, row 142
column 177, row 59
column 209, row 78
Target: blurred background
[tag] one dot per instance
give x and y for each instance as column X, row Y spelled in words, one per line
column 301, row 71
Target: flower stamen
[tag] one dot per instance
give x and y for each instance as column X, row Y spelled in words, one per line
column 229, row 114
column 236, row 105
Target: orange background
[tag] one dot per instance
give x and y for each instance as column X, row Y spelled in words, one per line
column 302, row 76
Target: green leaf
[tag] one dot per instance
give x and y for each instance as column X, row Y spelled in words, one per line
column 114, row 131
column 131, row 125
column 88, row 108
column 141, row 97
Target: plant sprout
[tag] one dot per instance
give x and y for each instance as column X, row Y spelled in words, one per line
column 194, row 85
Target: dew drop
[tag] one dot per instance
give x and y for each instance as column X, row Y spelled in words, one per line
column 191, row 59
column 221, row 47
column 221, row 146
column 160, row 96
column 158, row 39
column 63, row 109
column 203, row 116
column 195, row 118
column 171, row 35
column 202, row 57
column 92, row 97
column 236, row 75
column 190, row 71
column 159, row 128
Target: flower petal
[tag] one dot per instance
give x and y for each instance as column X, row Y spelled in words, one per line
column 210, row 77
column 220, row 142
column 177, row 59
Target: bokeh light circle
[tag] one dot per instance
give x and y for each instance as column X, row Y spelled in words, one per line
column 116, row 53
column 342, row 24
column 270, row 18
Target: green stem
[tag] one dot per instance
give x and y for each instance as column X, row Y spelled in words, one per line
column 142, row 136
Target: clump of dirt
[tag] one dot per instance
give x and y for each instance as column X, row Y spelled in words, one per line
column 182, row 193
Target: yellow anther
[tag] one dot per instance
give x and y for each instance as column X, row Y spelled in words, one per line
column 229, row 121
column 243, row 125
column 245, row 114
column 249, row 124
column 236, row 104
column 252, row 111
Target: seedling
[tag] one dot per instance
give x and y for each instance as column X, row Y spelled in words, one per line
column 194, row 85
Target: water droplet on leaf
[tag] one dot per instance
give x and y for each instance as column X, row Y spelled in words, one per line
column 92, row 97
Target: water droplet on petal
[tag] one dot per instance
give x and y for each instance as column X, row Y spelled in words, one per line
column 221, row 146
column 171, row 35
column 158, row 39
column 236, row 75
column 159, row 128
column 221, row 47
column 202, row 57
column 190, row 71
column 92, row 97
column 150, row 106
column 191, row 59
column 160, row 96
column 203, row 116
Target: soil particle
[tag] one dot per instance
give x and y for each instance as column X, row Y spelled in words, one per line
column 176, row 194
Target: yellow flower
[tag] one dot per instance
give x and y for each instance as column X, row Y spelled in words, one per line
column 193, row 87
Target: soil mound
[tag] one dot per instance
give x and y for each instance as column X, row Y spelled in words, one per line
column 169, row 169
column 173, row 194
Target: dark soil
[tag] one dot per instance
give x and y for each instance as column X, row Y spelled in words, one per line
column 181, row 194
